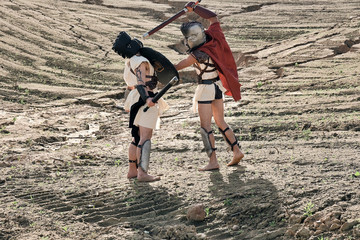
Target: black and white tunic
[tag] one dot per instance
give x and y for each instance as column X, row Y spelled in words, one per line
column 210, row 86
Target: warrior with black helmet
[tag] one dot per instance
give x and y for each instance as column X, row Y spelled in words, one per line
column 140, row 76
column 216, row 69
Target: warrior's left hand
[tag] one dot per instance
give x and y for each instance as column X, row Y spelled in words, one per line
column 149, row 102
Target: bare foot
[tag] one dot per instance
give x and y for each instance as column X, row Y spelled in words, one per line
column 144, row 177
column 147, row 178
column 238, row 155
column 132, row 174
column 210, row 167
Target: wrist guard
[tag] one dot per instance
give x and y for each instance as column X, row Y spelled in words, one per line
column 203, row 12
column 152, row 83
column 142, row 92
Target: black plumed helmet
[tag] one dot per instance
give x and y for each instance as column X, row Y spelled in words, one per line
column 125, row 46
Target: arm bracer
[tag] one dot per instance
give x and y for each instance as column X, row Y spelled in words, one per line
column 142, row 91
column 203, row 12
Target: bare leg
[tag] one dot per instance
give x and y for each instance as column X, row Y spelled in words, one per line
column 142, row 176
column 205, row 122
column 218, row 112
column 132, row 173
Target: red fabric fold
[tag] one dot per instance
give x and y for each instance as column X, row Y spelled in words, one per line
column 219, row 51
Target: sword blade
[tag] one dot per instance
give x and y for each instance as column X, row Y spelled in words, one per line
column 166, row 22
column 163, row 24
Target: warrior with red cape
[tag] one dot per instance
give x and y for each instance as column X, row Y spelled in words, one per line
column 216, row 69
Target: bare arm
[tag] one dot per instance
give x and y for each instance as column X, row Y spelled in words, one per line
column 141, row 73
column 187, row 62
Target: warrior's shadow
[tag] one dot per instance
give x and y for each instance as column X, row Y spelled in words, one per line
column 150, row 203
column 250, row 202
column 137, row 206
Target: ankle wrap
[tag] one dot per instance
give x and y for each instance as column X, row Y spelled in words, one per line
column 134, row 161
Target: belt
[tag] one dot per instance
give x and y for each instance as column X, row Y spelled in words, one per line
column 209, row 81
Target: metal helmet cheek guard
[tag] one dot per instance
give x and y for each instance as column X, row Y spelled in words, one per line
column 194, row 34
column 125, row 46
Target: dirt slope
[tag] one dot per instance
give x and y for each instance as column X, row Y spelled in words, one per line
column 64, row 135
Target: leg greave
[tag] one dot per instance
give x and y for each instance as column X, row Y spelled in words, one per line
column 231, row 145
column 145, row 155
column 206, row 140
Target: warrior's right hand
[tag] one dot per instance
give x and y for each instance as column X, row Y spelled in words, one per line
column 190, row 6
column 149, row 102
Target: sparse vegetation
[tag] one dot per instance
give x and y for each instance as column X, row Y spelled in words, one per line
column 207, row 211
column 322, row 238
column 306, row 134
column 228, row 202
column 309, row 209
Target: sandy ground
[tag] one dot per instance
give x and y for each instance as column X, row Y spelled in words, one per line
column 64, row 135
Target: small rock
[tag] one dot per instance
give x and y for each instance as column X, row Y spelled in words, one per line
column 196, row 213
column 314, row 217
column 317, row 224
column 341, row 49
column 327, row 222
column 23, row 221
column 99, row 204
column 356, row 233
column 219, row 215
column 295, row 227
column 290, row 233
column 323, row 227
column 334, row 227
column 348, row 225
column 337, row 208
column 337, row 221
column 201, row 236
column 309, row 220
column 343, row 204
column 336, row 214
column 280, row 72
column 295, row 219
column 303, row 233
column 235, row 228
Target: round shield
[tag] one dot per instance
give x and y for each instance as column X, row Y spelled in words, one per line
column 164, row 69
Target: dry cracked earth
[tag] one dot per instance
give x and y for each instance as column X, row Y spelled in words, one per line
column 64, row 134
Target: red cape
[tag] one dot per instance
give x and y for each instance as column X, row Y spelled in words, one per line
column 219, row 51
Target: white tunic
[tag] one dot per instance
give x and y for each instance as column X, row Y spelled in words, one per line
column 149, row 119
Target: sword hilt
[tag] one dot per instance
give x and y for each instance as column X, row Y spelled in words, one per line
column 172, row 82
